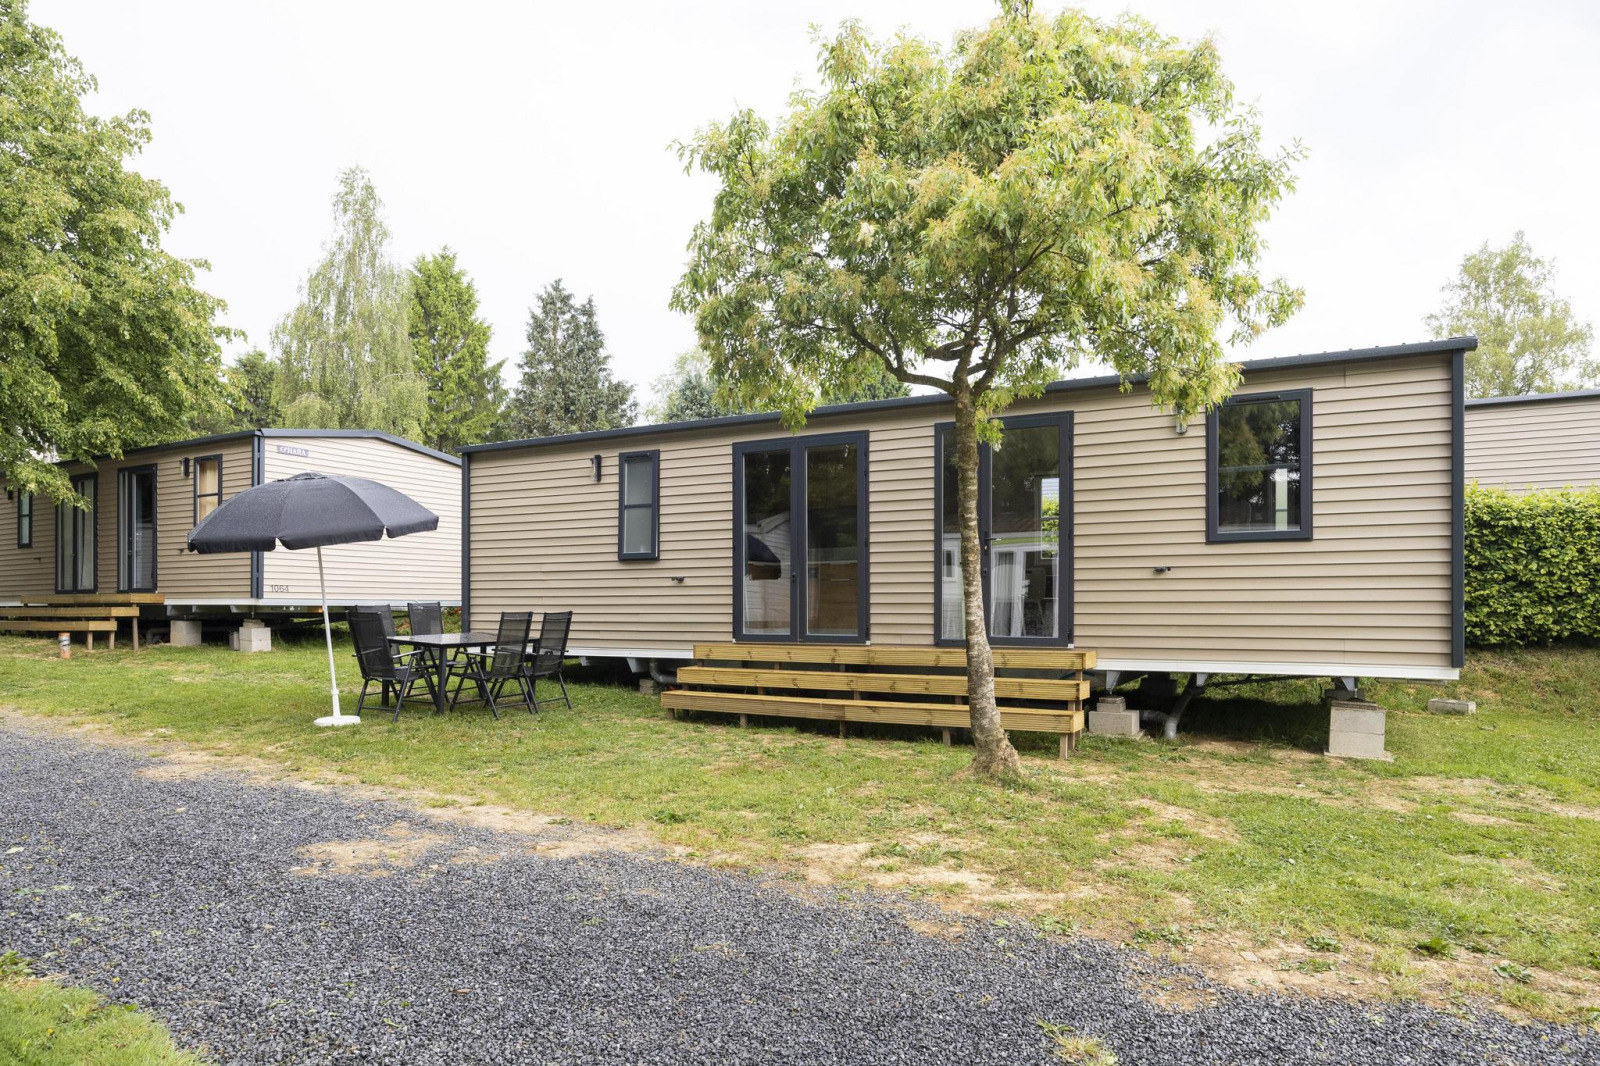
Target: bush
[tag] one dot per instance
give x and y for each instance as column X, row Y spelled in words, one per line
column 1533, row 566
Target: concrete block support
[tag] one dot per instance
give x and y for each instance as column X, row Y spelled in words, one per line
column 1440, row 706
column 252, row 635
column 185, row 632
column 1111, row 718
column 1356, row 730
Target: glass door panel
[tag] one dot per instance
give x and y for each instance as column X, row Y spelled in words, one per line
column 766, row 531
column 137, row 510
column 1025, row 533
column 833, row 542
column 75, row 540
column 951, row 616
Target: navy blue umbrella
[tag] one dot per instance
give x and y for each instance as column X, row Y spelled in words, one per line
column 309, row 511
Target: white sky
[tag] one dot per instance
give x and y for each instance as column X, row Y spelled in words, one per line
column 534, row 138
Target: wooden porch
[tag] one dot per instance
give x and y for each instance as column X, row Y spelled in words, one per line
column 85, row 612
column 1038, row 689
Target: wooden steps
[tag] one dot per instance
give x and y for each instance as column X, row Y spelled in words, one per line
column 86, row 613
column 884, row 684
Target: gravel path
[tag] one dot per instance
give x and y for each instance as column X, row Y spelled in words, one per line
column 191, row 897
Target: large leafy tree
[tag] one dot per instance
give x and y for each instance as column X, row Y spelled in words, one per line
column 691, row 390
column 247, row 397
column 105, row 342
column 464, row 390
column 978, row 218
column 345, row 356
column 1529, row 340
column 566, row 384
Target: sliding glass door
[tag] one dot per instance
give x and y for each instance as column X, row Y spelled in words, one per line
column 136, row 529
column 800, row 539
column 75, row 539
column 1024, row 530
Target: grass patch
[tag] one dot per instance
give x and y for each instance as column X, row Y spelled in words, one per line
column 43, row 1023
column 1238, row 846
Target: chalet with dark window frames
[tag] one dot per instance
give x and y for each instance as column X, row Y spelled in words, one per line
column 1311, row 526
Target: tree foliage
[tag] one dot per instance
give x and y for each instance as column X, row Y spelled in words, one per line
column 566, row 384
column 345, row 356
column 1529, row 340
column 690, row 390
column 247, row 397
column 464, row 392
column 105, row 342
column 977, row 219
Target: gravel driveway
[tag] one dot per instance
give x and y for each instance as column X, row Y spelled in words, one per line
column 219, row 904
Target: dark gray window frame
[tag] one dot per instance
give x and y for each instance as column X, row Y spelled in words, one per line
column 124, row 545
column 623, row 506
column 1064, row 597
column 24, row 510
column 194, row 480
column 797, row 495
column 93, row 495
column 1215, row 535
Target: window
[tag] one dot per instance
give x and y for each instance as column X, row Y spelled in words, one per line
column 638, row 505
column 1258, row 468
column 24, row 519
column 207, row 486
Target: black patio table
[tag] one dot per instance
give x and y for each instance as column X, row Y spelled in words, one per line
column 433, row 647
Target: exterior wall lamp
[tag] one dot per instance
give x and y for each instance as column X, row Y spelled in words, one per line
column 599, row 464
column 184, row 463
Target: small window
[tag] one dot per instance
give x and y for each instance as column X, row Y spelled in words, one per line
column 24, row 519
column 1258, row 465
column 207, row 486
column 638, row 504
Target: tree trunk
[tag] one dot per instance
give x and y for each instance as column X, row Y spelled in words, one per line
column 995, row 756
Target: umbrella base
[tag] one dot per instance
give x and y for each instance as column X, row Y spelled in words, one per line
column 339, row 719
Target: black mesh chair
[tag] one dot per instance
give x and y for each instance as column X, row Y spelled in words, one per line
column 427, row 619
column 503, row 664
column 377, row 661
column 546, row 658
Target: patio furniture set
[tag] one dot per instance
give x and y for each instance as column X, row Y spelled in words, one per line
column 482, row 665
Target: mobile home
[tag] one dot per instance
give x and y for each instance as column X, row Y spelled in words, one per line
column 1312, row 526
column 131, row 545
column 1542, row 441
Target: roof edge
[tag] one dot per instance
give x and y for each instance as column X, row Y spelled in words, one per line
column 1354, row 355
column 243, row 434
column 1534, row 397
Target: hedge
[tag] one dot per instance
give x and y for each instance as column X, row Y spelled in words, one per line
column 1533, row 566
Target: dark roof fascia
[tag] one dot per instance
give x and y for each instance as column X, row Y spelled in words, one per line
column 216, row 438
column 1535, row 397
column 1451, row 344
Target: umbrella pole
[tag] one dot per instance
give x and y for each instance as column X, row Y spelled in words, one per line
column 333, row 681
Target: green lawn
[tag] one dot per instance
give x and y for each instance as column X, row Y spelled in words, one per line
column 1464, row 870
column 43, row 1023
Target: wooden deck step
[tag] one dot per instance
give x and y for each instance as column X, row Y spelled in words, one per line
column 947, row 716
column 1065, row 659
column 70, row 612
column 96, row 599
column 1025, row 688
column 72, row 625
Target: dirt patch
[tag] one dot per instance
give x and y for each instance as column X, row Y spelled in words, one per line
column 401, row 846
column 1195, row 822
column 950, row 931
column 1475, row 818
column 1180, row 992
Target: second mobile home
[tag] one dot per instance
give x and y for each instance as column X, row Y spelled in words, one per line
column 1312, row 526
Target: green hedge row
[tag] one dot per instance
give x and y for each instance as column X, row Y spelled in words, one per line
column 1533, row 566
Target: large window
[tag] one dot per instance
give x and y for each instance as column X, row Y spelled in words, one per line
column 638, row 505
column 1024, row 534
column 207, row 486
column 1258, row 468
column 800, row 538
column 24, row 519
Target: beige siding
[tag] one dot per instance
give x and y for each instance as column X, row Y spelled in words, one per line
column 1371, row 589
column 1542, row 444
column 179, row 572
column 423, row 566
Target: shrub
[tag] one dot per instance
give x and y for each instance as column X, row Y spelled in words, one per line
column 1532, row 566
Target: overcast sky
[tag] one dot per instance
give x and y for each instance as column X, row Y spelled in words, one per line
column 535, row 138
